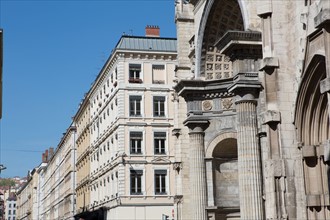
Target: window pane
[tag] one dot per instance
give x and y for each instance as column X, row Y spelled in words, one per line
column 136, row 181
column 160, row 181
column 159, row 106
column 135, row 142
column 159, row 142
column 135, row 105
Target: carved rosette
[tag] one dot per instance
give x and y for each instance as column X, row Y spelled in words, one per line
column 207, row 105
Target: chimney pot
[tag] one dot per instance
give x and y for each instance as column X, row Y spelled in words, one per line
column 152, row 31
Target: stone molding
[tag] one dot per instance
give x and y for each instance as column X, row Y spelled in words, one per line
column 268, row 64
column 323, row 18
column 270, row 116
column 325, row 85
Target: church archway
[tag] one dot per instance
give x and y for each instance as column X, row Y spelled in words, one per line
column 313, row 134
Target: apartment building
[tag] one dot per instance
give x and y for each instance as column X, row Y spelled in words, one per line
column 27, row 208
column 10, row 207
column 82, row 120
column 131, row 152
column 58, row 180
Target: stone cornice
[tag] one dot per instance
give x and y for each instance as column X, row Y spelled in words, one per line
column 204, row 89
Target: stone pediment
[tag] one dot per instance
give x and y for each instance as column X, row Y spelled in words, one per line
column 161, row 160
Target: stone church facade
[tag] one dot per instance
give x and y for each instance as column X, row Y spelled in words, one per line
column 252, row 119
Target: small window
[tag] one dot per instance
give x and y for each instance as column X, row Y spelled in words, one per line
column 160, row 182
column 135, row 73
column 159, row 106
column 135, row 105
column 159, row 142
column 136, row 142
column 136, row 182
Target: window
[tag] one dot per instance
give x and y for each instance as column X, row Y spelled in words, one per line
column 9, row 212
column 135, row 105
column 9, row 205
column 158, row 74
column 136, row 182
column 159, row 106
column 160, row 182
column 159, row 142
column 135, row 142
column 134, row 73
column 14, row 212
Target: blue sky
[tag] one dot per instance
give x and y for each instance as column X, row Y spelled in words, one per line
column 53, row 51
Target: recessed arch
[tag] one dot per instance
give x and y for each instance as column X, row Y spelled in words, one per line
column 218, row 17
column 218, row 139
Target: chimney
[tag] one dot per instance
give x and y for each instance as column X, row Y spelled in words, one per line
column 46, row 155
column 43, row 158
column 51, row 152
column 152, row 31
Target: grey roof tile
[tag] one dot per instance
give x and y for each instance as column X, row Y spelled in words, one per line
column 147, row 44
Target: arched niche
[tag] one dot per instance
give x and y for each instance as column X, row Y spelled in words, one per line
column 223, row 178
column 219, row 16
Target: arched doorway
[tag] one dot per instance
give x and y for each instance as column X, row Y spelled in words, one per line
column 313, row 134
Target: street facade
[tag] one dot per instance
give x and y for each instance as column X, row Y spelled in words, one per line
column 230, row 120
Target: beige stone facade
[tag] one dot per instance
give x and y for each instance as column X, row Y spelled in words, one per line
column 129, row 147
column 27, row 196
column 252, row 109
column 82, row 121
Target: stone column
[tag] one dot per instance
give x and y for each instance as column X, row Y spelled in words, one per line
column 249, row 164
column 197, row 169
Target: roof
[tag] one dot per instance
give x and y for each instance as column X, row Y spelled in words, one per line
column 147, row 44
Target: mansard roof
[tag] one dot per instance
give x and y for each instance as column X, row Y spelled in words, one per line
column 153, row 44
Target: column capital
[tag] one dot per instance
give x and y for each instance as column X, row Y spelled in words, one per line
column 196, row 125
column 246, row 86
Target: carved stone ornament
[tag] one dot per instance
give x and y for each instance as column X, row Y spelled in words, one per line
column 227, row 103
column 207, row 105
